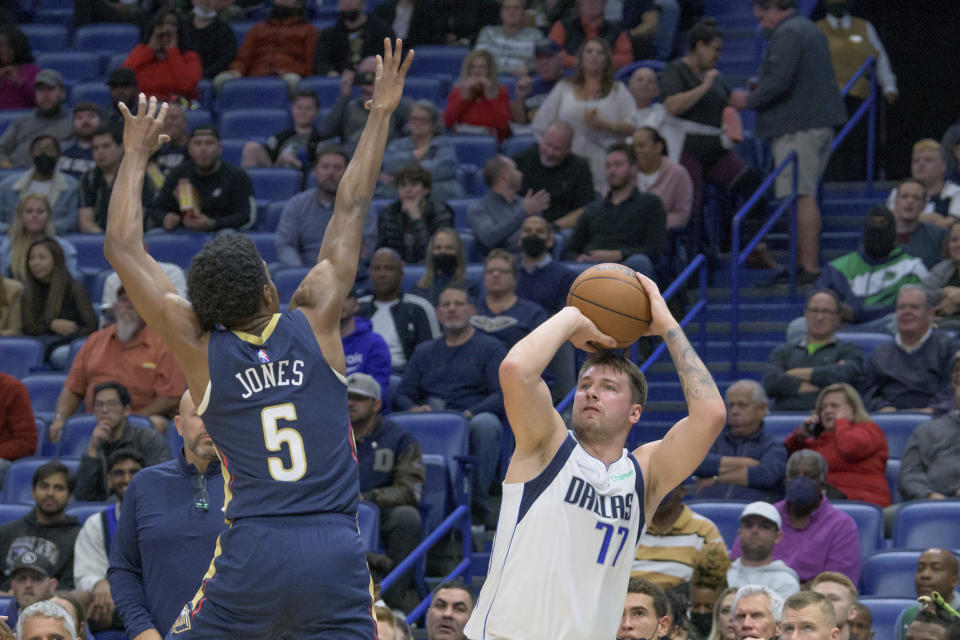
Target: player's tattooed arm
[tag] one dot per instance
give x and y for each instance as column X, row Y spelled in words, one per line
column 695, row 378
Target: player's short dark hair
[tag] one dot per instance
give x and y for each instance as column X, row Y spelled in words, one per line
column 457, row 583
column 119, row 388
column 413, row 173
column 49, row 469
column 225, row 281
column 104, row 130
column 306, row 93
column 660, row 605
column 638, row 382
column 625, row 148
column 127, row 453
column 704, row 31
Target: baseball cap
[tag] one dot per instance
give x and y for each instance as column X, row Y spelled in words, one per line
column 122, row 77
column 205, row 129
column 32, row 560
column 764, row 510
column 546, row 47
column 362, row 384
column 49, row 77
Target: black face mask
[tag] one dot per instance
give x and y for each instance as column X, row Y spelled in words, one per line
column 533, row 246
column 445, row 263
column 878, row 242
column 702, row 622
column 838, row 9
column 350, row 16
column 45, row 164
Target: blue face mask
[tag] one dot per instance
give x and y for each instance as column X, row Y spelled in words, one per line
column 803, row 495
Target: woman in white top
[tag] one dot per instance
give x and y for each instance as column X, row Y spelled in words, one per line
column 596, row 105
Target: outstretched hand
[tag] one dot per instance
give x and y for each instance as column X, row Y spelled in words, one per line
column 142, row 133
column 661, row 318
column 388, row 85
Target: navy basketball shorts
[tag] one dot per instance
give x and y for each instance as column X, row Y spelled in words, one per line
column 299, row 577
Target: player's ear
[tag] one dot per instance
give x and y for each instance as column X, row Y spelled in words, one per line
column 663, row 625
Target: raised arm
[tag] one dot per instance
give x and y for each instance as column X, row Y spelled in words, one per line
column 668, row 462
column 149, row 288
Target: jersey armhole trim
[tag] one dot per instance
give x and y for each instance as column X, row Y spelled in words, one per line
column 263, row 337
column 641, row 495
column 206, row 399
column 534, row 488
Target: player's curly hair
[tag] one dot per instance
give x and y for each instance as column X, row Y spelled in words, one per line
column 933, row 609
column 225, row 281
column 710, row 565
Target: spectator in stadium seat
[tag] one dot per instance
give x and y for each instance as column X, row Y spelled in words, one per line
column 18, row 429
column 854, row 447
column 56, row 308
column 32, row 221
column 450, row 607
column 304, row 218
column 31, row 581
column 588, row 24
column 798, row 104
column 123, row 88
column 19, row 69
column 427, row 147
column 112, row 433
column 172, row 153
column 11, row 316
column 912, row 373
column 391, row 476
column 597, row 106
column 479, row 103
column 662, row 177
column 671, row 540
column 43, row 178
column 223, row 193
column 464, row 20
column 758, row 533
column 77, row 156
column 708, row 587
column 817, row 536
column 112, row 286
column 416, row 22
column 530, row 91
column 644, row 86
column 511, row 42
column 626, row 226
column 722, row 626
column 403, row 319
column 48, row 119
column 549, row 165
column 459, row 372
column 937, row 570
column 295, row 147
column 366, row 351
column 348, row 115
column 942, row 284
column 356, row 35
column 842, row 594
column 46, row 531
column 171, row 517
column 861, row 626
column 90, row 552
column 96, row 185
column 500, row 312
column 283, row 45
column 406, row 224
column 540, row 278
column 646, row 612
column 496, row 218
column 163, row 68
column 930, row 463
column 212, row 38
column 930, row 169
column 744, row 463
column 799, row 370
column 446, row 264
column 921, row 239
column 127, row 350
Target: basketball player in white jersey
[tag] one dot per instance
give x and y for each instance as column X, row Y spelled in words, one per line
column 574, row 503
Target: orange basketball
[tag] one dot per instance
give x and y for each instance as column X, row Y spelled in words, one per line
column 610, row 295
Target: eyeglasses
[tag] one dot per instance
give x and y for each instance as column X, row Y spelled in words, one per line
column 820, row 311
column 201, row 500
column 106, row 404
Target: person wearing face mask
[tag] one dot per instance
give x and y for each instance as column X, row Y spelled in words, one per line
column 212, row 38
column 355, row 36
column 446, row 263
column 43, row 179
column 708, row 585
column 49, row 118
column 817, row 536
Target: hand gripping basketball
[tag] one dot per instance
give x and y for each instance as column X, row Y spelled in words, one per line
column 610, row 295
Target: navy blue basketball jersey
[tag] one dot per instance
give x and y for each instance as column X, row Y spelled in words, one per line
column 278, row 414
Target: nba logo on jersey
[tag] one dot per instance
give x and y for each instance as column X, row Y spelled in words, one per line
column 183, row 620
column 262, row 354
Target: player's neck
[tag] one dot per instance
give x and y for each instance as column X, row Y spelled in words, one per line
column 256, row 324
column 607, row 453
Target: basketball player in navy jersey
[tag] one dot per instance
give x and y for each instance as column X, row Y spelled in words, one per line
column 272, row 393
column 575, row 502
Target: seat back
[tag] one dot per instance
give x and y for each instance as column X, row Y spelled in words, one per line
column 45, row 38
column 18, row 485
column 108, row 37
column 368, row 521
column 921, row 525
column 869, row 519
column 893, row 479
column 89, row 248
column 780, row 425
column 269, row 92
column 253, row 124
column 867, row 341
column 11, row 512
column 623, row 75
column 44, row 389
column 74, row 66
column 76, row 435
column 83, row 510
column 20, row 354
column 898, row 427
column 77, row 343
column 473, row 149
column 726, row 515
column 275, row 183
column 889, row 574
column 176, row 248
column 886, row 612
column 441, row 433
column 96, row 92
column 287, row 281
column 439, row 60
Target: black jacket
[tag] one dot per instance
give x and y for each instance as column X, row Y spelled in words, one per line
column 413, row 325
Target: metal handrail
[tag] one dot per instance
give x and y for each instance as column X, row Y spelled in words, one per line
column 699, row 262
column 739, row 256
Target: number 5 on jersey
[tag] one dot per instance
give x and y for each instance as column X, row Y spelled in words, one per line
column 275, row 438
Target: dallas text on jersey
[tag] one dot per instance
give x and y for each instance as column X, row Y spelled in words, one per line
column 582, row 494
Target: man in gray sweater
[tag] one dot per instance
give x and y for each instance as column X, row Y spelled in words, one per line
column 798, row 104
column 48, row 118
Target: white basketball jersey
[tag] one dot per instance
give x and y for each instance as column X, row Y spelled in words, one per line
column 563, row 550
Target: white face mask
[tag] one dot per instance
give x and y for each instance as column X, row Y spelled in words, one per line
column 204, row 14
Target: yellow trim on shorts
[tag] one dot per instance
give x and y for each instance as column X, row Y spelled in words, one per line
column 211, row 571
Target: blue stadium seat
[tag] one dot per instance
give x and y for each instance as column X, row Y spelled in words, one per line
column 8, row 116
column 178, row 248
column 509, row 81
column 45, row 37
column 475, row 150
column 240, row 29
column 20, row 354
column 434, row 60
column 327, row 89
column 274, row 183
column 265, row 245
column 867, row 341
column 624, row 74
column 889, row 574
column 198, row 116
column 44, row 390
column 780, row 425
column 411, row 275
column 77, row 343
column 89, row 250
column 232, row 150
column 83, row 510
column 515, row 144
column 475, row 253
column 893, row 479
column 75, row 66
column 253, row 124
column 725, row 514
column 270, row 221
column 42, row 438
column 435, row 498
column 459, row 206
column 108, row 37
column 96, row 92
column 115, row 61
column 920, row 525
column 431, row 89
column 368, row 521
column 76, row 435
column 11, row 512
column 869, row 519
column 885, row 612
column 269, row 92
column 18, row 485
column 287, row 281
column 898, row 427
